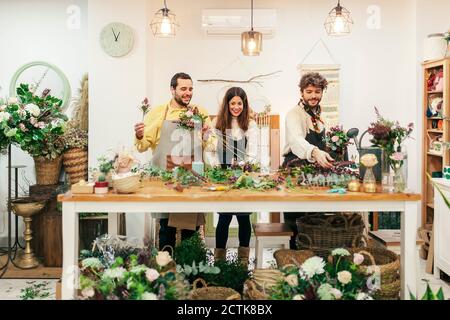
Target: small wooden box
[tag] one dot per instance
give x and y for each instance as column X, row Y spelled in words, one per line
column 83, row 189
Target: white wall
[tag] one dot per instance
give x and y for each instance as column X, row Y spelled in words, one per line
column 37, row 30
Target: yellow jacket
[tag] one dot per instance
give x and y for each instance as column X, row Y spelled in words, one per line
column 153, row 123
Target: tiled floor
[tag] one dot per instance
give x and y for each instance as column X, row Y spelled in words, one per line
column 12, row 289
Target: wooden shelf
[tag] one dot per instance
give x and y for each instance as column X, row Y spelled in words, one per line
column 435, row 155
column 434, row 162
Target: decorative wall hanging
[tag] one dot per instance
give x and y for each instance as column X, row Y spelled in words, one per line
column 330, row 100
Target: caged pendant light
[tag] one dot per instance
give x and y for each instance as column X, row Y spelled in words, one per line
column 339, row 21
column 251, row 41
column 164, row 23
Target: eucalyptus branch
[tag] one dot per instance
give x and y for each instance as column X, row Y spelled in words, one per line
column 251, row 80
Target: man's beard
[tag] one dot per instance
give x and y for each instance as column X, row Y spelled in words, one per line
column 310, row 106
column 180, row 101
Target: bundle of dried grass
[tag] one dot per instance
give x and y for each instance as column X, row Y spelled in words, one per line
column 81, row 104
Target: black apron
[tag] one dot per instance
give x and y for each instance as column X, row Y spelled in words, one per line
column 235, row 153
column 314, row 138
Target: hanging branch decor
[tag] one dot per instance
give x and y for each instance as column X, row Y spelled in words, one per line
column 251, row 80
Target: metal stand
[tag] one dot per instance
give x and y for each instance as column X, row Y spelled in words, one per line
column 12, row 249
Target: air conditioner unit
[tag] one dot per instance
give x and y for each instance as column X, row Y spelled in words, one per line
column 232, row 22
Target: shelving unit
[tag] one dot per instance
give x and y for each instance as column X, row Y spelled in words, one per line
column 433, row 162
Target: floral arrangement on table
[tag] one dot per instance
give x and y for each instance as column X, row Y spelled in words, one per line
column 340, row 278
column 389, row 135
column 35, row 123
column 337, row 141
column 148, row 275
column 189, row 117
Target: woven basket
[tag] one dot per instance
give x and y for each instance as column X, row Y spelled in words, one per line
column 286, row 257
column 334, row 231
column 75, row 162
column 212, row 293
column 266, row 278
column 254, row 292
column 129, row 184
column 387, row 261
column 389, row 291
column 47, row 171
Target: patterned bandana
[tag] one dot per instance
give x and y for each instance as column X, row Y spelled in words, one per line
column 314, row 113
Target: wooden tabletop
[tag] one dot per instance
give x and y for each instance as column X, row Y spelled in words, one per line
column 155, row 191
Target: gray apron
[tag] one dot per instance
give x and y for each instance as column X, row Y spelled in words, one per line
column 177, row 147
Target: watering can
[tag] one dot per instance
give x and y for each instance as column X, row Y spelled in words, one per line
column 353, row 134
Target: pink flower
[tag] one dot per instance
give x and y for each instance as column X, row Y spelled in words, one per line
column 397, row 156
column 151, row 275
column 358, row 259
column 33, row 120
column 335, row 139
column 22, row 127
column 189, row 114
column 41, row 125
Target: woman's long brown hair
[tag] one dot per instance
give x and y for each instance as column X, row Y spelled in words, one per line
column 225, row 117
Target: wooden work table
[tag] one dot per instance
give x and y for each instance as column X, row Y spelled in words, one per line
column 156, row 197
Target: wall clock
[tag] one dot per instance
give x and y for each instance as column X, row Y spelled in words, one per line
column 117, row 39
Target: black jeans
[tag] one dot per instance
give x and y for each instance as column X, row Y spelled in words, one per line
column 167, row 235
column 290, row 219
column 245, row 229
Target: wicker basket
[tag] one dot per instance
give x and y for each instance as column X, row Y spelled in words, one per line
column 266, row 278
column 386, row 260
column 328, row 232
column 75, row 162
column 254, row 292
column 128, row 184
column 286, row 257
column 388, row 291
column 47, row 171
column 212, row 293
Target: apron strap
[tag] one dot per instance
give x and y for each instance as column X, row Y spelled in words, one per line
column 164, row 119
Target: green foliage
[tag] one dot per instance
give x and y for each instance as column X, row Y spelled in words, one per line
column 191, row 250
column 105, row 165
column 429, row 294
column 35, row 291
column 233, row 274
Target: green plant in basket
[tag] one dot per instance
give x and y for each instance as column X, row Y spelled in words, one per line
column 233, row 274
column 191, row 250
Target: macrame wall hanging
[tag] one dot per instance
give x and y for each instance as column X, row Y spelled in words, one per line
column 331, row 97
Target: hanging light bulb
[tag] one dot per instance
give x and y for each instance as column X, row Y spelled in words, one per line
column 339, row 21
column 251, row 43
column 164, row 23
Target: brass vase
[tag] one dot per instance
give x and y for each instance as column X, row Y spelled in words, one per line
column 27, row 208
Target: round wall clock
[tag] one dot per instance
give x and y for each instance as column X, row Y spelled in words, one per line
column 117, row 39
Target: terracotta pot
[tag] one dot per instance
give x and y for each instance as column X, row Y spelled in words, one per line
column 47, row 171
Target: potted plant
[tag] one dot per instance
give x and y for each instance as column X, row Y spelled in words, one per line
column 75, row 156
column 36, row 124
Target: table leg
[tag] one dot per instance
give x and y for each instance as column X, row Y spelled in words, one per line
column 113, row 224
column 259, row 248
column 70, row 251
column 408, row 250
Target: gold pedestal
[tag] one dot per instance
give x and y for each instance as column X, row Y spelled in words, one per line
column 27, row 208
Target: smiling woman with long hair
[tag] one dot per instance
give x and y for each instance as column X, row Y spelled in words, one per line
column 237, row 141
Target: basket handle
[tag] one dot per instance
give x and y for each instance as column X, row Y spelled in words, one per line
column 289, row 265
column 203, row 282
column 372, row 259
column 307, row 237
column 354, row 219
column 358, row 237
column 235, row 296
column 329, row 220
column 169, row 247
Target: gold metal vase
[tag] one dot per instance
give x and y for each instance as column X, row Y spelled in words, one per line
column 27, row 208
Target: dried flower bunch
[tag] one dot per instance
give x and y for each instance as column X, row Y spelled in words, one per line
column 74, row 137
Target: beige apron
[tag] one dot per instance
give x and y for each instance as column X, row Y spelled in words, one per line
column 176, row 148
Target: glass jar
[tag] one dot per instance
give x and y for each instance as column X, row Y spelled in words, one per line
column 387, row 177
column 369, row 182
